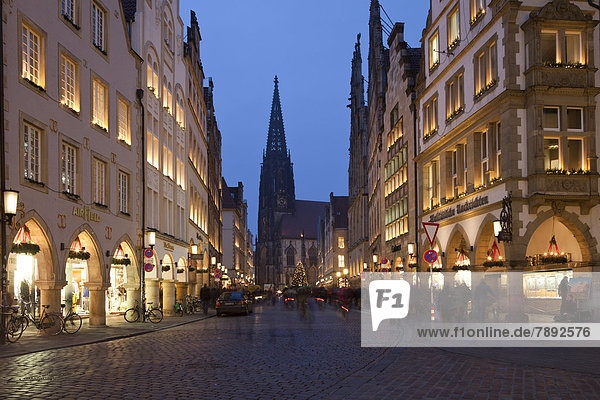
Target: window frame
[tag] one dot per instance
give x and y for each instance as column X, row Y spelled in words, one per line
column 558, row 119
column 65, row 58
column 39, row 82
column 69, row 188
column 557, row 52
column 453, row 41
column 26, row 153
column 560, row 152
column 101, row 125
column 581, row 119
column 123, row 195
column 434, row 54
column 102, row 48
column 126, row 139
column 98, row 181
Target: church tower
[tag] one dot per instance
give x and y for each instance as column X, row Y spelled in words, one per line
column 276, row 190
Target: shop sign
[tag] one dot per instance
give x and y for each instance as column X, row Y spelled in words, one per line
column 86, row 213
column 460, row 208
column 168, row 246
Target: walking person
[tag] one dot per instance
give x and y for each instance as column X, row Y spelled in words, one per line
column 205, row 298
column 563, row 292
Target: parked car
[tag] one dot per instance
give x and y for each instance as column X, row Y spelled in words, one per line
column 233, row 302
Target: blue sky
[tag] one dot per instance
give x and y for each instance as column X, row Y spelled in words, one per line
column 309, row 45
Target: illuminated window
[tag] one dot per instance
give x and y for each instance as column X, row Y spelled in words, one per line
column 453, row 28
column 123, row 110
column 550, row 50
column 31, row 48
column 341, row 242
column 551, row 153
column 431, row 185
column 99, row 106
column 485, row 177
column 454, row 95
column 434, row 51
column 573, row 48
column 477, row 9
column 486, row 68
column 430, row 116
column 69, row 95
column 152, row 76
column 498, row 150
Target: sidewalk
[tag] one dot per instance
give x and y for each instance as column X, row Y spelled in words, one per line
column 116, row 328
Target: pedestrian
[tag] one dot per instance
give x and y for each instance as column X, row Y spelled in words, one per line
column 205, row 298
column 563, row 292
column 483, row 297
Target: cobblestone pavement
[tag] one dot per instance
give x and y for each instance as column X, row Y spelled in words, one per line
column 273, row 354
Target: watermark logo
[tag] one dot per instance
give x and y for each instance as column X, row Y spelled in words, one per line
column 389, row 300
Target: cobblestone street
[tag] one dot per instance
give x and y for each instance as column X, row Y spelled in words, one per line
column 273, row 354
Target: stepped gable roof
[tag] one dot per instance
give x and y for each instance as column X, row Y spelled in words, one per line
column 340, row 211
column 304, row 220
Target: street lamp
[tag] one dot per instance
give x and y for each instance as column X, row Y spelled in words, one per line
column 411, row 249
column 10, row 200
column 338, row 274
column 151, row 239
column 503, row 226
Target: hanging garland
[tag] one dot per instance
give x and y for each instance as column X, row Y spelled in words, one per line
column 166, row 268
column 79, row 255
column 25, row 248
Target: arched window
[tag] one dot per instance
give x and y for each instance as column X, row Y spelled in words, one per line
column 291, row 256
column 179, row 110
column 168, row 30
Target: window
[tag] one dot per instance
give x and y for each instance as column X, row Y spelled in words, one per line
column 69, row 168
column 99, row 181
column 98, row 26
column 434, row 51
column 454, row 173
column 485, row 177
column 291, row 259
column 67, row 9
column 152, row 76
column 498, row 151
column 396, row 219
column 123, row 192
column 486, row 69
column 31, row 68
column 575, row 160
column 550, row 50
column 431, row 185
column 430, row 125
column 179, row 111
column 99, row 106
column 551, row 153
column 574, row 119
column 453, row 29
column 573, row 48
column 341, row 263
column 477, row 9
column 341, row 242
column 123, row 110
column 167, row 95
column 551, row 119
column 465, row 167
column 454, row 96
column 168, row 31
column 31, row 153
column 69, row 94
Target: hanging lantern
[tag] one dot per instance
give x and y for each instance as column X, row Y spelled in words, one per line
column 462, row 260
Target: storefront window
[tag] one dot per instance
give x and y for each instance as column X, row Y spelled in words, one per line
column 544, row 284
column 116, row 293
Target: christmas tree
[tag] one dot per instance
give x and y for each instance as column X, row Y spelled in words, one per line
column 299, row 278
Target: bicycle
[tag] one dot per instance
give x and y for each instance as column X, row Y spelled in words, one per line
column 152, row 314
column 71, row 323
column 50, row 323
column 14, row 326
column 189, row 305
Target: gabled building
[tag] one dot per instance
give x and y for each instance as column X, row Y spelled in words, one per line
column 333, row 243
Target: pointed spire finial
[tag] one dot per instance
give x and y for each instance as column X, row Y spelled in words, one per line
column 276, row 139
column 276, row 80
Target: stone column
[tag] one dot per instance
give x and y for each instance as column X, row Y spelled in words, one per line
column 50, row 294
column 133, row 294
column 181, row 289
column 152, row 292
column 97, row 303
column 199, row 285
column 168, row 298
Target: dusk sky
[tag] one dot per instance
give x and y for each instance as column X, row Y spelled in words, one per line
column 308, row 44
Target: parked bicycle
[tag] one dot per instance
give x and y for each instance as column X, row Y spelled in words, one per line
column 14, row 325
column 71, row 323
column 189, row 307
column 152, row 314
column 50, row 323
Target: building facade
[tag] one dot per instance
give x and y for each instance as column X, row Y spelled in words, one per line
column 358, row 216
column 506, row 104
column 72, row 135
column 333, row 243
column 235, row 219
column 176, row 194
column 398, row 173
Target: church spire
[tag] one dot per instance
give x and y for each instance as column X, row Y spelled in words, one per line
column 276, row 138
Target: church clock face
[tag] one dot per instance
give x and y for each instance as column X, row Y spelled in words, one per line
column 281, row 201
